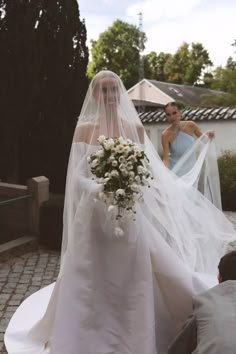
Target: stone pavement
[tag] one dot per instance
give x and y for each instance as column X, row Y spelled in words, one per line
column 22, row 276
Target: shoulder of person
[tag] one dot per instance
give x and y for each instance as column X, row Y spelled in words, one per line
column 165, row 132
column 220, row 290
column 190, row 123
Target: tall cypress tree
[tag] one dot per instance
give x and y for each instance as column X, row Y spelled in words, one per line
column 50, row 60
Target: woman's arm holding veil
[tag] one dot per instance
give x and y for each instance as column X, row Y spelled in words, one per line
column 197, row 131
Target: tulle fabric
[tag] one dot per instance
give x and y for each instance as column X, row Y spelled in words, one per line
column 128, row 295
column 198, row 167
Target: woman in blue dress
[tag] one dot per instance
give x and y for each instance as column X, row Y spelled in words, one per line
column 179, row 136
column 190, row 154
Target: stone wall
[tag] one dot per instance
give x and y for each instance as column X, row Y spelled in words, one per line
column 20, row 205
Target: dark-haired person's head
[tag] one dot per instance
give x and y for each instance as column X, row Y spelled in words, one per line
column 172, row 111
column 227, row 267
column 172, row 104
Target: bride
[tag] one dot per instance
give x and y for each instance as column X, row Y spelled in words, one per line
column 126, row 295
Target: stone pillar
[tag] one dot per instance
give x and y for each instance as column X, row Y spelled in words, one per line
column 38, row 187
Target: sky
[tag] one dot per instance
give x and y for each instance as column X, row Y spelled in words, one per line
column 169, row 23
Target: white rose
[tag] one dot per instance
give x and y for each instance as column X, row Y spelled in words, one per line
column 121, row 140
column 101, row 138
column 120, row 149
column 120, row 192
column 110, row 142
column 126, row 150
column 134, row 187
column 95, row 163
column 114, row 173
column 122, row 167
column 100, row 153
column 107, row 145
column 111, row 158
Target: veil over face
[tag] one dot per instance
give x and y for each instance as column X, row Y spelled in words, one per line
column 108, row 111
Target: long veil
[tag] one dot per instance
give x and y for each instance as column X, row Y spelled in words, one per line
column 161, row 261
column 198, row 167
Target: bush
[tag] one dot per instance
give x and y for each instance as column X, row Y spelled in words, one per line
column 51, row 222
column 227, row 172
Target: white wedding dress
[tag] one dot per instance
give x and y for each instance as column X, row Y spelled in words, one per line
column 128, row 295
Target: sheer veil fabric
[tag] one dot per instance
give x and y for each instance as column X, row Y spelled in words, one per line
column 128, row 295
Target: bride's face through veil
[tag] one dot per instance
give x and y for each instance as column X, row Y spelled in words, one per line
column 108, row 111
column 106, row 92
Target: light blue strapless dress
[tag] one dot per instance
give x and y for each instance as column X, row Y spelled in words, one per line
column 182, row 143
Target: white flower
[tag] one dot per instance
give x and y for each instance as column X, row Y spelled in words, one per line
column 122, row 160
column 126, row 150
column 100, row 153
column 132, row 158
column 95, row 163
column 137, row 179
column 107, row 146
column 122, row 167
column 114, row 173
column 114, row 163
column 121, row 140
column 120, row 149
column 111, row 158
column 120, row 192
column 124, row 173
column 113, row 151
column 89, row 159
column 129, row 166
column 101, row 138
column 134, row 187
column 140, row 169
column 131, row 174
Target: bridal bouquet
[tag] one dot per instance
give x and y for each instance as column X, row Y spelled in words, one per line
column 122, row 168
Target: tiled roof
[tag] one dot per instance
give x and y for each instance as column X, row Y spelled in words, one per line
column 189, row 95
column 198, row 114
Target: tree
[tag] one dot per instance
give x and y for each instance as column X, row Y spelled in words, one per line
column 224, row 79
column 154, row 65
column 118, row 49
column 44, row 72
column 187, row 65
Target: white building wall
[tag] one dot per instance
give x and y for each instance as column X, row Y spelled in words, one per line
column 225, row 134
